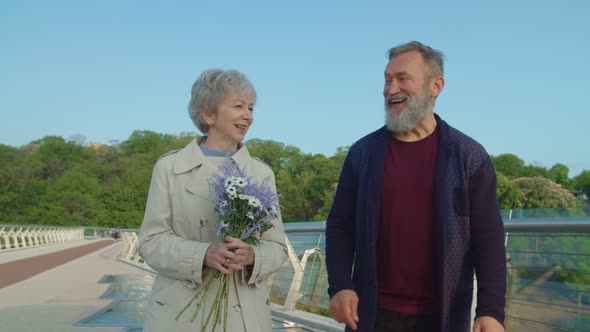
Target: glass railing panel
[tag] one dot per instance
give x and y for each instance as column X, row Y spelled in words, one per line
column 582, row 211
column 548, row 282
column 314, row 287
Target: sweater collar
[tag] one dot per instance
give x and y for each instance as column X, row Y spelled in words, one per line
column 191, row 156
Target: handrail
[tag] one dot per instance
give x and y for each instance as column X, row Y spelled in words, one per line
column 548, row 225
column 291, row 286
column 541, row 225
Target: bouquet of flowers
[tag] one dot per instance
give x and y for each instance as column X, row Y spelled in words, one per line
column 246, row 209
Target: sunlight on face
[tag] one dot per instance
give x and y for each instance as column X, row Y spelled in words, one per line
column 233, row 118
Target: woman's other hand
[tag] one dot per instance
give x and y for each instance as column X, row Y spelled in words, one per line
column 230, row 256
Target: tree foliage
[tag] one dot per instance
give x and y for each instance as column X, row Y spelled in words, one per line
column 509, row 194
column 68, row 182
column 582, row 182
column 539, row 192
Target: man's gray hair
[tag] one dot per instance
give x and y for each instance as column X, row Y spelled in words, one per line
column 211, row 88
column 434, row 58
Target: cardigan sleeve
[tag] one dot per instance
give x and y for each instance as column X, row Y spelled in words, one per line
column 340, row 227
column 487, row 243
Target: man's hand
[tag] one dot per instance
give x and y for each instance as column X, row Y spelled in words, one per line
column 487, row 324
column 344, row 308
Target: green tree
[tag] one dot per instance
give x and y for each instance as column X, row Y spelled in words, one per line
column 559, row 173
column 73, row 199
column 65, row 182
column 271, row 152
column 582, row 182
column 146, row 142
column 294, row 205
column 508, row 164
column 531, row 171
column 539, row 192
column 509, row 194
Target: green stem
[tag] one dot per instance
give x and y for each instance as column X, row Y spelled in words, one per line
column 215, row 306
column 219, row 313
column 226, row 295
column 218, row 300
column 204, row 297
column 194, row 298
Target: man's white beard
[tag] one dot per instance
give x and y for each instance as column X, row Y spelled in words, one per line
column 417, row 108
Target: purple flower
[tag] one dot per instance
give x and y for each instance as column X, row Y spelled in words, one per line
column 246, row 207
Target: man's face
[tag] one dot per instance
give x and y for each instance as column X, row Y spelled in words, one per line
column 408, row 98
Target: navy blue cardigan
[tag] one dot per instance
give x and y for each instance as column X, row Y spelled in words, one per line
column 468, row 229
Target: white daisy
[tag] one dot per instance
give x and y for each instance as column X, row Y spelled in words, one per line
column 254, row 202
column 240, row 182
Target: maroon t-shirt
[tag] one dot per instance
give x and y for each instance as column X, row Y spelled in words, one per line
column 406, row 258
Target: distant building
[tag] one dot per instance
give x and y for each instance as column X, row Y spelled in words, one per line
column 579, row 194
column 95, row 146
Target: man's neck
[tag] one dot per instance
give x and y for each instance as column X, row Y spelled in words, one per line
column 422, row 130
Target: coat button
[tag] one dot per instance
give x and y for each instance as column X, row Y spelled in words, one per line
column 204, row 222
column 238, row 308
column 267, row 301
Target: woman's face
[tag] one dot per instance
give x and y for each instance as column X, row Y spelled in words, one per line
column 232, row 120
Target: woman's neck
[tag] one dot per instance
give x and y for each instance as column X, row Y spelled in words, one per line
column 219, row 145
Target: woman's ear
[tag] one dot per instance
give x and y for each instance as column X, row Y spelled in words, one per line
column 209, row 118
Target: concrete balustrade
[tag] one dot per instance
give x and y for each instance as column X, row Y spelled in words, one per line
column 17, row 237
column 130, row 254
column 131, row 250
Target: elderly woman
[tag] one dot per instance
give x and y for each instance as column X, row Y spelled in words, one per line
column 178, row 236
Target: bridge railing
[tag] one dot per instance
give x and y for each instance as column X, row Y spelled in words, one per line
column 548, row 274
column 294, row 266
column 16, row 237
column 548, row 264
column 548, row 261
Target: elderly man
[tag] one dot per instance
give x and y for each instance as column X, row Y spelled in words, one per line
column 415, row 214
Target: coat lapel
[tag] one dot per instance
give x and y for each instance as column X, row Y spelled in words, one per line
column 241, row 157
column 191, row 159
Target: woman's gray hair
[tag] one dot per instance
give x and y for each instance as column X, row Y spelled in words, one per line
column 211, row 88
column 431, row 56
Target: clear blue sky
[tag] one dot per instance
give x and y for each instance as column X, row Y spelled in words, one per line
column 517, row 72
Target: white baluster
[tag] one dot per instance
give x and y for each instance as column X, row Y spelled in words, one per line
column 12, row 234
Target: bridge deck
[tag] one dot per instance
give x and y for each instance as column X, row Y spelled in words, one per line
column 52, row 287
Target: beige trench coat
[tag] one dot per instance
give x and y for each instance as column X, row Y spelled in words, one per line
column 179, row 224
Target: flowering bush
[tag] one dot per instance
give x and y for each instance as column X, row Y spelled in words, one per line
column 246, row 209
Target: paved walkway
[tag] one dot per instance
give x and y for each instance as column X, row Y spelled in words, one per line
column 51, row 287
column 42, row 296
column 22, row 269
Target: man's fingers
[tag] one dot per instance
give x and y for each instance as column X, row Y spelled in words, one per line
column 354, row 312
column 350, row 322
column 344, row 308
column 346, row 304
